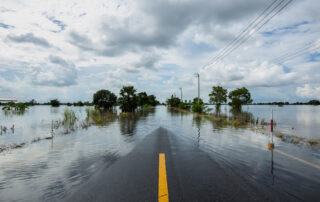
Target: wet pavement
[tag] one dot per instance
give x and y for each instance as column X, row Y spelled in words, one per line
column 192, row 175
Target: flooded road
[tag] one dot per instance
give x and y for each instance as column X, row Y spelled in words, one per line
column 57, row 168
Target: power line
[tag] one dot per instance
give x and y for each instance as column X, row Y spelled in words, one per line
column 255, row 31
column 242, row 39
column 296, row 54
column 243, row 31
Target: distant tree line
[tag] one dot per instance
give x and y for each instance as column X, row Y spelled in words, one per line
column 310, row 102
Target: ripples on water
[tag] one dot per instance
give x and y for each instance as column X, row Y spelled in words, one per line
column 51, row 169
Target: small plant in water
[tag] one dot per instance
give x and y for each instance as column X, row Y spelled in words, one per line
column 69, row 120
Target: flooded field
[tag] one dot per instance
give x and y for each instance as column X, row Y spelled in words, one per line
column 52, row 168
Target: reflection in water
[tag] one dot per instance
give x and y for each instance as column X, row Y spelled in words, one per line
column 272, row 168
column 14, row 112
column 197, row 120
column 242, row 116
column 54, row 110
column 128, row 121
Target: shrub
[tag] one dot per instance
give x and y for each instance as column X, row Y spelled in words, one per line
column 198, row 107
column 173, row 101
column 183, row 105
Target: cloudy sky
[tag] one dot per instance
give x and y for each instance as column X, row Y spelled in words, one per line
column 70, row 49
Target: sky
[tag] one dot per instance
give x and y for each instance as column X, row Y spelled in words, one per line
column 70, row 49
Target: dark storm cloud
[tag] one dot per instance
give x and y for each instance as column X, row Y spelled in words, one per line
column 29, row 38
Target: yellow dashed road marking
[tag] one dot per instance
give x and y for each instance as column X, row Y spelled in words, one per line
column 163, row 194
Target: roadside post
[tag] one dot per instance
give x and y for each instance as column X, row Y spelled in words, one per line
column 270, row 144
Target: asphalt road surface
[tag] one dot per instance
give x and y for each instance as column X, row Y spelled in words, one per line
column 191, row 174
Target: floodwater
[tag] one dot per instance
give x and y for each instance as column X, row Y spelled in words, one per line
column 52, row 169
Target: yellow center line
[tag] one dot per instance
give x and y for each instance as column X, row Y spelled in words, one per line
column 288, row 155
column 163, row 195
column 298, row 159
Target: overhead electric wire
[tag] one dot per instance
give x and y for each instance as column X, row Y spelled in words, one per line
column 296, row 54
column 238, row 40
column 255, row 31
column 242, row 38
column 243, row 31
column 288, row 53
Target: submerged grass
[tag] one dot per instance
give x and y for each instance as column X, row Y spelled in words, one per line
column 69, row 120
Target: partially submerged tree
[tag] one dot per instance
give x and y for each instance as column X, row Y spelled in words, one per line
column 218, row 95
column 239, row 97
column 152, row 100
column 144, row 99
column 104, row 98
column 128, row 99
column 55, row 103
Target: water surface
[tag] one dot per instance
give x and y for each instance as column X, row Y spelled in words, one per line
column 52, row 169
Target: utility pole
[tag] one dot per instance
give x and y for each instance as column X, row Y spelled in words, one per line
column 198, row 75
column 181, row 94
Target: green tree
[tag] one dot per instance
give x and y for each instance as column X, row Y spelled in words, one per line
column 55, row 103
column 218, row 95
column 142, row 99
column 152, row 100
column 239, row 97
column 173, row 101
column 128, row 99
column 104, row 98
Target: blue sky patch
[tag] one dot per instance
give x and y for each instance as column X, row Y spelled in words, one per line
column 5, row 26
column 314, row 57
column 286, row 69
column 59, row 23
column 284, row 30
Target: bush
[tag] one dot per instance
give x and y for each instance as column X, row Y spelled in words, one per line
column 198, row 107
column 183, row 105
column 173, row 101
column 18, row 107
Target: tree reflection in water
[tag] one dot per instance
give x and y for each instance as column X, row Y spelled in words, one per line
column 128, row 121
